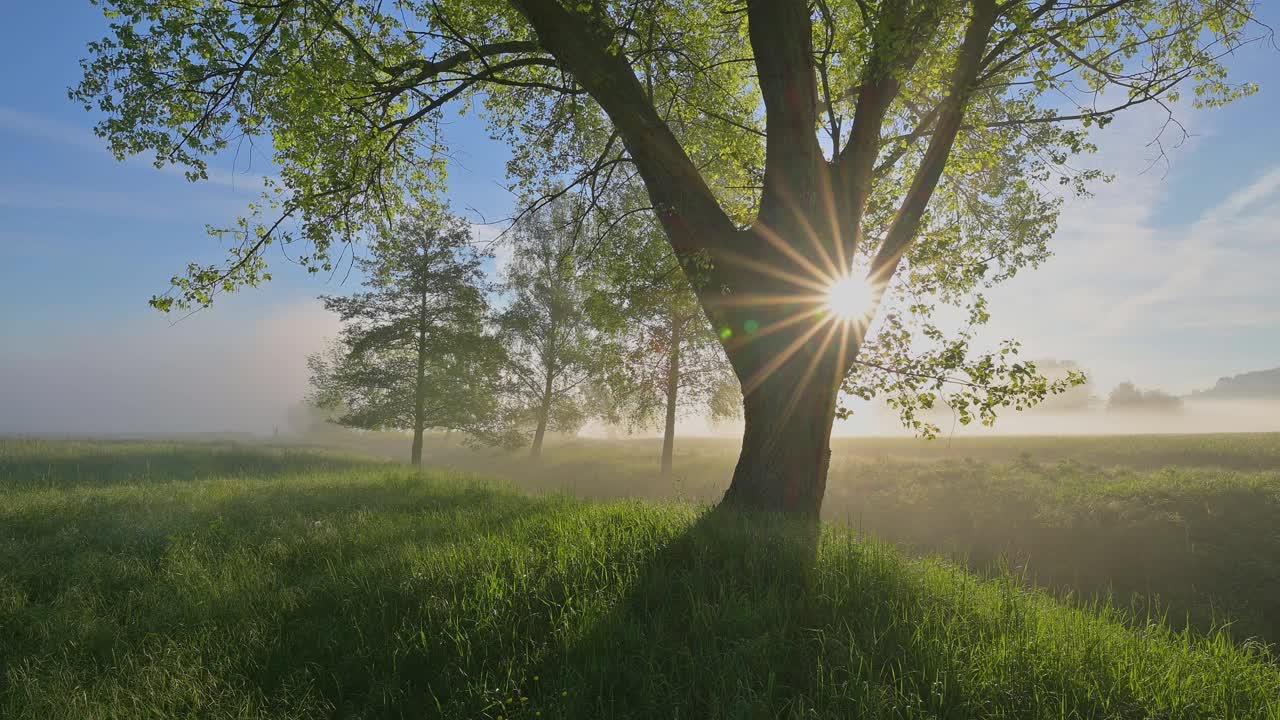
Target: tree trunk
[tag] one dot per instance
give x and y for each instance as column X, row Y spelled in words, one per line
column 673, row 390
column 535, row 450
column 415, row 455
column 786, row 445
column 420, row 385
column 544, row 415
column 791, row 359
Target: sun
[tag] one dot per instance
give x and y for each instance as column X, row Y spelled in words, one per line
column 849, row 298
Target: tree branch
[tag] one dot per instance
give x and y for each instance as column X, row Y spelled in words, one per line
column 781, row 34
column 686, row 206
column 907, row 220
column 881, row 83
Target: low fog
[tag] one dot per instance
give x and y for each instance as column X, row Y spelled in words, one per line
column 236, row 369
column 871, row 420
column 231, row 379
column 239, row 369
column 1194, row 417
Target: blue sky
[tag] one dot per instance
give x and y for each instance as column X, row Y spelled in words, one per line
column 1167, row 277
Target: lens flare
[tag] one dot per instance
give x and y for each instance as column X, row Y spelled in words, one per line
column 849, row 298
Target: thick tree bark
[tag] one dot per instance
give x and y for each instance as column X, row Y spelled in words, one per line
column 791, row 379
column 786, row 448
column 673, row 392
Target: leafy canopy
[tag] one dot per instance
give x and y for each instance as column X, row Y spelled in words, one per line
column 947, row 129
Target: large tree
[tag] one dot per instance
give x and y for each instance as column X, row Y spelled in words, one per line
column 909, row 142
column 415, row 350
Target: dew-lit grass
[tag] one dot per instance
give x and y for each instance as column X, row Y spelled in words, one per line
column 266, row 584
column 1179, row 525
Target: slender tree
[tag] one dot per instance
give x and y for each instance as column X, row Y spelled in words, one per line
column 554, row 349
column 415, row 352
column 672, row 367
column 669, row 362
column 906, row 143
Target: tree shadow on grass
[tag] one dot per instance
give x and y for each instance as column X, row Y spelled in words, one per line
column 717, row 625
column 736, row 618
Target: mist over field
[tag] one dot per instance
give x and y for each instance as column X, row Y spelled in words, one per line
column 239, row 369
column 263, row 405
column 1195, row 417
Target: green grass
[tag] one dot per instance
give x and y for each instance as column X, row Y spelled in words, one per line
column 1184, row 526
column 237, row 583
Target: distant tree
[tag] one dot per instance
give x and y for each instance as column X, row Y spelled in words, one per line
column 414, row 352
column 669, row 361
column 1127, row 397
column 673, row 366
column 1257, row 385
column 554, row 351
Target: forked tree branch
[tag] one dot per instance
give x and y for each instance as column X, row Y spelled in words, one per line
column 908, row 218
column 881, row 83
column 687, row 208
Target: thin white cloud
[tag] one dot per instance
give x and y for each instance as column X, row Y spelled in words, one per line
column 1204, row 272
column 1263, row 188
column 53, row 130
column 50, row 129
column 1132, row 296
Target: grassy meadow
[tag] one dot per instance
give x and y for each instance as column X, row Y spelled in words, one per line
column 162, row 580
column 1185, row 527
